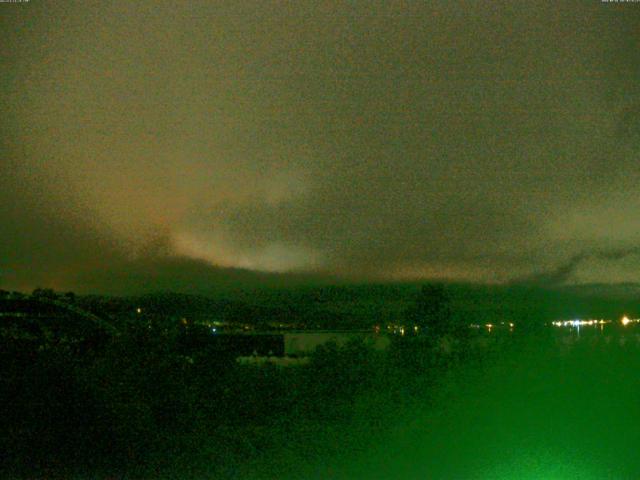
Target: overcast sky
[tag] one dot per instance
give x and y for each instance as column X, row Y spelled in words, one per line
column 475, row 141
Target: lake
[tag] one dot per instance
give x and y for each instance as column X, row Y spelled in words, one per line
column 563, row 405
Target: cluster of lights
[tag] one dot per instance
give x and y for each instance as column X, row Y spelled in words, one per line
column 490, row 326
column 396, row 329
column 402, row 330
column 579, row 323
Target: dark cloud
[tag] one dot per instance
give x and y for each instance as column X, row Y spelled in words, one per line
column 386, row 140
column 566, row 272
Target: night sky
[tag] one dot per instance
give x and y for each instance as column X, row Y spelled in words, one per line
column 147, row 141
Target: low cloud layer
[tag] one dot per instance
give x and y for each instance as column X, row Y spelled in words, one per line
column 574, row 269
column 387, row 140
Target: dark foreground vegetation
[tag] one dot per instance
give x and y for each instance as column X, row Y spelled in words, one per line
column 147, row 401
column 145, row 404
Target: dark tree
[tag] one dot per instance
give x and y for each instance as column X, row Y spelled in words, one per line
column 47, row 293
column 431, row 311
column 69, row 297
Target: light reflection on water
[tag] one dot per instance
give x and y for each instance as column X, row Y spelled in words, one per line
column 541, row 411
column 542, row 465
column 558, row 404
column 607, row 334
